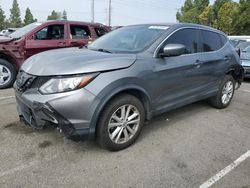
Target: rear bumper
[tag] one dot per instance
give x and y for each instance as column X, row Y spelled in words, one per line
column 71, row 112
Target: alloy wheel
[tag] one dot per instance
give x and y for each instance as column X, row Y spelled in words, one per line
column 123, row 124
column 227, row 92
column 5, row 75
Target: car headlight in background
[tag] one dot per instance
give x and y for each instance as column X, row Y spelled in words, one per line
column 64, row 84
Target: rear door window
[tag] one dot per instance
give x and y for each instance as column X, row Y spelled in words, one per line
column 79, row 32
column 51, row 32
column 186, row 37
column 100, row 31
column 210, row 41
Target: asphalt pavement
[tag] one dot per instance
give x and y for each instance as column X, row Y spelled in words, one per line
column 182, row 148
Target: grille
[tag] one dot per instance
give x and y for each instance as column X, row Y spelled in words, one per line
column 26, row 81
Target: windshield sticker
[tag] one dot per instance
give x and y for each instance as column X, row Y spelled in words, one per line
column 159, row 27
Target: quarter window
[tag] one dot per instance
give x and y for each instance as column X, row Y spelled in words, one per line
column 100, row 31
column 51, row 32
column 186, row 37
column 79, row 32
column 210, row 41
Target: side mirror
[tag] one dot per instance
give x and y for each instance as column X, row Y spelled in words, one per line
column 173, row 50
column 239, row 51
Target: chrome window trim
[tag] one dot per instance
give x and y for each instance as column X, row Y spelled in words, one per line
column 190, row 27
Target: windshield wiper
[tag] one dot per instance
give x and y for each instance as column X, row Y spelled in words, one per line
column 103, row 50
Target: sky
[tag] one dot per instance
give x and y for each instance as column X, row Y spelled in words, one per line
column 124, row 12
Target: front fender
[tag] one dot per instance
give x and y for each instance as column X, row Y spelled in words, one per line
column 116, row 88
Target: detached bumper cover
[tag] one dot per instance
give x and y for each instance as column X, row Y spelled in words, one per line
column 71, row 112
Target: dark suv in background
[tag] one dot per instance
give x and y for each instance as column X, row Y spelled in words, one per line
column 126, row 77
column 39, row 37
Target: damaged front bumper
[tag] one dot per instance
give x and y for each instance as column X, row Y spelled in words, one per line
column 70, row 112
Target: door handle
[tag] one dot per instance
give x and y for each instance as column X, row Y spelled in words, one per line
column 61, row 43
column 198, row 63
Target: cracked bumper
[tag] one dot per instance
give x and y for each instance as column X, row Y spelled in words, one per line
column 71, row 112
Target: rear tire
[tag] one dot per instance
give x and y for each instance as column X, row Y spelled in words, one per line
column 7, row 74
column 120, row 122
column 225, row 93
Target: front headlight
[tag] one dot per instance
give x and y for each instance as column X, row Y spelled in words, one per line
column 64, row 84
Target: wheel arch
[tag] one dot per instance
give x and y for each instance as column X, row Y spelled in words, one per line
column 236, row 72
column 10, row 59
column 136, row 91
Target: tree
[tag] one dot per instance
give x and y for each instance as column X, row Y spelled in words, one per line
column 205, row 17
column 15, row 18
column 2, row 19
column 225, row 17
column 28, row 17
column 241, row 21
column 191, row 10
column 54, row 15
column 216, row 7
column 64, row 15
column 201, row 5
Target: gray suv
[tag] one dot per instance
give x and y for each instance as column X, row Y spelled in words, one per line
column 108, row 89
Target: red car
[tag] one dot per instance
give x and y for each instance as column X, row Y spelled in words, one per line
column 39, row 37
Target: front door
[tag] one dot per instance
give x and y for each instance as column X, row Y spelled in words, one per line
column 49, row 37
column 178, row 79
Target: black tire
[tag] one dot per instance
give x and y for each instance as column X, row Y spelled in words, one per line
column 9, row 68
column 216, row 101
column 103, row 130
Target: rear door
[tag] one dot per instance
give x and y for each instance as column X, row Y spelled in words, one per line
column 100, row 31
column 80, row 35
column 215, row 58
column 51, row 36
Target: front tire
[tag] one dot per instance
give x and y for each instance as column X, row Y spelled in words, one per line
column 120, row 122
column 7, row 74
column 225, row 93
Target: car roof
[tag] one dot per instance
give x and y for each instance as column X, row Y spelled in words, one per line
column 181, row 25
column 74, row 22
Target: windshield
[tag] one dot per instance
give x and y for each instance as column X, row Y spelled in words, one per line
column 24, row 30
column 129, row 39
column 243, row 45
column 247, row 49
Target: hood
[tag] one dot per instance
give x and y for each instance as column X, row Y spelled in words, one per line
column 4, row 39
column 75, row 61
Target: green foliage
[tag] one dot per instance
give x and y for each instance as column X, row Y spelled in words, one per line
column 54, row 15
column 64, row 15
column 15, row 18
column 2, row 19
column 28, row 17
column 225, row 17
column 191, row 10
column 201, row 5
column 205, row 17
column 241, row 21
column 216, row 7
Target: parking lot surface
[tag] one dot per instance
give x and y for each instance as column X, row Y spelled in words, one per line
column 181, row 148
